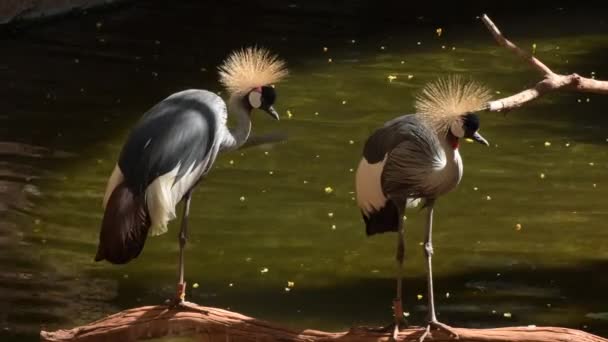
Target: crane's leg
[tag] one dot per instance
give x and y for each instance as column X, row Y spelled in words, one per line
column 399, row 256
column 180, row 298
column 428, row 251
column 183, row 238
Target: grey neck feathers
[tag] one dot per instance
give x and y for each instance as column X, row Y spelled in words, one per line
column 238, row 134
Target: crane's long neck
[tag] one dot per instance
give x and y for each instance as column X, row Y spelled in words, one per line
column 238, row 134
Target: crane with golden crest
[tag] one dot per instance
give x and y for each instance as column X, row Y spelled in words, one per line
column 173, row 147
column 415, row 158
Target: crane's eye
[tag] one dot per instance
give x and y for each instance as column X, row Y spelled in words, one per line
column 255, row 99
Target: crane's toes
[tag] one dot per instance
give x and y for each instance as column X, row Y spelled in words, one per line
column 189, row 306
column 439, row 326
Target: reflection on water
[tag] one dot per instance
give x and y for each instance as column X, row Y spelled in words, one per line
column 75, row 87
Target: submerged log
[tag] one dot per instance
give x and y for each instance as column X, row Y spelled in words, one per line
column 213, row 324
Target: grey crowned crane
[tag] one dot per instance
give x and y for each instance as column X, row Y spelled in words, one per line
column 173, row 147
column 415, row 158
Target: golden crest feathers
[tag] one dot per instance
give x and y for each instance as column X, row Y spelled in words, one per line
column 445, row 100
column 251, row 67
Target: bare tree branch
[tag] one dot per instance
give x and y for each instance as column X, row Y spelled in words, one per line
column 551, row 81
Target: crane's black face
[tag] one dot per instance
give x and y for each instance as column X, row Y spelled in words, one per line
column 470, row 125
column 263, row 98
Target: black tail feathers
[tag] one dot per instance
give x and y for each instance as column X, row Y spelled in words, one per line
column 382, row 221
column 124, row 227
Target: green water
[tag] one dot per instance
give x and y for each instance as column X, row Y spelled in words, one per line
column 262, row 218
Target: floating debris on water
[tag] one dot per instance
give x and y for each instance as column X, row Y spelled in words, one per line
column 195, row 286
column 439, row 31
column 325, row 49
column 567, row 144
column 287, row 289
column 533, row 48
column 248, row 259
column 305, row 181
column 126, row 276
column 404, row 218
column 402, row 62
column 419, row 296
column 506, row 315
column 343, row 102
column 333, row 227
column 406, row 314
column 591, row 164
column 329, row 60
column 382, row 47
column 242, row 199
column 391, row 78
column 518, row 226
column 329, row 190
column 594, row 185
column 330, row 214
column 231, row 285
column 353, row 41
column 289, row 114
column 266, row 153
column 271, row 173
column 475, row 188
column 351, row 170
column 351, row 142
column 547, row 143
column 231, row 162
column 99, row 25
column 447, row 295
column 291, row 284
column 316, row 113
column 542, row 176
column 488, row 198
column 264, row 270
column 409, row 77
column 469, row 140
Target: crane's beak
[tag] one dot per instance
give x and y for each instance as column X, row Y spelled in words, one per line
column 478, row 138
column 270, row 110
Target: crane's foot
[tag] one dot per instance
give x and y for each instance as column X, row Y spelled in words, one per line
column 179, row 301
column 396, row 326
column 439, row 326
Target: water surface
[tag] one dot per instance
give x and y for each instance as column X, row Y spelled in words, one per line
column 262, row 218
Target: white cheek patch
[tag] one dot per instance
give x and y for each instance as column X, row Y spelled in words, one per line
column 457, row 129
column 255, row 99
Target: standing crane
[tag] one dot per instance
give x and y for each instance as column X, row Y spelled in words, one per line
column 173, row 147
column 415, row 158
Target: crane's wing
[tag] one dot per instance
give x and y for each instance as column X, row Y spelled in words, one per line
column 171, row 147
column 409, row 163
column 395, row 158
